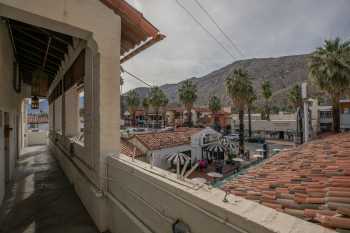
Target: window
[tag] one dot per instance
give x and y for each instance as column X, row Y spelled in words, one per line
column 325, row 114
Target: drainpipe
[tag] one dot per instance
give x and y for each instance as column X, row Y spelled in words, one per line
column 306, row 121
column 306, row 111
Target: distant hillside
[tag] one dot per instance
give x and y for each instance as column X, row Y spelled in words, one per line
column 282, row 72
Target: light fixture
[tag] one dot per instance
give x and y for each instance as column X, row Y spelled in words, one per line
column 181, row 227
column 35, row 102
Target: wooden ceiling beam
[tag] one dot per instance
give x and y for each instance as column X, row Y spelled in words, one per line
column 66, row 40
column 33, row 46
column 31, row 69
column 44, row 43
column 38, row 59
column 37, row 54
column 38, row 64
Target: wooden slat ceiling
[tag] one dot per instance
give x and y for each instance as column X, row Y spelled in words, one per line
column 38, row 48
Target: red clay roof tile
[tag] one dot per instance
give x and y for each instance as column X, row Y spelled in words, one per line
column 159, row 140
column 311, row 182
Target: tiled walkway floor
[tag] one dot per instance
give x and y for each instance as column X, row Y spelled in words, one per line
column 41, row 199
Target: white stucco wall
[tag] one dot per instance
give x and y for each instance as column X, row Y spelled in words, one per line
column 102, row 33
column 143, row 200
column 37, row 138
column 10, row 102
column 58, row 114
column 2, row 159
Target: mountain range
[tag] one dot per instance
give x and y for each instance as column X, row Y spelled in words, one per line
column 282, row 72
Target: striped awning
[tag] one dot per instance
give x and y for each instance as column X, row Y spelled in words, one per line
column 176, row 158
column 216, row 148
column 228, row 144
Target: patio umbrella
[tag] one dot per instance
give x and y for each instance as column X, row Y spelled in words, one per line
column 198, row 180
column 177, row 159
column 228, row 144
column 216, row 148
column 238, row 160
column 214, row 174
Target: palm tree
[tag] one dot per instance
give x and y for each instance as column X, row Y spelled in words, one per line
column 188, row 95
column 238, row 87
column 214, row 106
column 251, row 100
column 178, row 159
column 163, row 109
column 329, row 68
column 157, row 100
column 294, row 97
column 267, row 93
column 133, row 101
column 295, row 101
column 146, row 105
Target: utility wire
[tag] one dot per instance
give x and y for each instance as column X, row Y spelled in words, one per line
column 206, row 30
column 220, row 29
column 136, row 77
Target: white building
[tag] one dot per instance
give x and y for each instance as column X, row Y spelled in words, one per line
column 284, row 125
column 325, row 118
column 191, row 141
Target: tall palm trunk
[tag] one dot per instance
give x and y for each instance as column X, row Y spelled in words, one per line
column 164, row 121
column 336, row 115
column 250, row 121
column 189, row 112
column 157, row 118
column 241, row 131
column 267, row 110
column 134, row 119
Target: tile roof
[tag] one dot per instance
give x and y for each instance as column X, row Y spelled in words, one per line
column 160, row 140
column 128, row 149
column 37, row 119
column 137, row 32
column 201, row 109
column 176, row 109
column 311, row 182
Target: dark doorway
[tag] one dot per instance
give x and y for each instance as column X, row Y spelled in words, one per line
column 7, row 132
column 281, row 135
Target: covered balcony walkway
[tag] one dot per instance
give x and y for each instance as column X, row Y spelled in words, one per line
column 41, row 198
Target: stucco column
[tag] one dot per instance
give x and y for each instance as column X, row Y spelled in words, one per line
column 107, row 65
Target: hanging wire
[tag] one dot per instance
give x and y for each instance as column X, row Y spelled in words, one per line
column 234, row 45
column 205, row 29
column 135, row 77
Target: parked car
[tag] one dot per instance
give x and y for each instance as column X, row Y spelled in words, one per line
column 256, row 139
column 233, row 136
column 135, row 130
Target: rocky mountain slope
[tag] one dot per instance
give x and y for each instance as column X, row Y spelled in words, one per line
column 282, row 72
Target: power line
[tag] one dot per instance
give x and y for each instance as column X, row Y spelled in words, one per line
column 206, row 30
column 136, row 77
column 218, row 26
